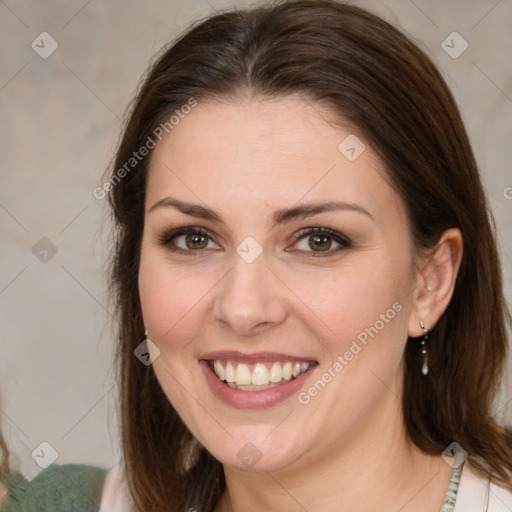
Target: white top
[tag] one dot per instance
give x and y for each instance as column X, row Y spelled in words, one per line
column 475, row 494
column 115, row 496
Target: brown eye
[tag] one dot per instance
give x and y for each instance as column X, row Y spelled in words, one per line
column 187, row 240
column 321, row 240
column 195, row 241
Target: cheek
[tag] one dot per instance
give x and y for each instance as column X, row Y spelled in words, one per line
column 171, row 300
column 352, row 298
column 363, row 329
column 171, row 308
column 361, row 311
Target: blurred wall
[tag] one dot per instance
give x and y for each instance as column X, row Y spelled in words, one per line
column 62, row 98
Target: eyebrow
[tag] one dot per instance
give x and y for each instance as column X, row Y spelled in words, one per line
column 279, row 217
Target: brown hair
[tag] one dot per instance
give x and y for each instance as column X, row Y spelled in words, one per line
column 372, row 75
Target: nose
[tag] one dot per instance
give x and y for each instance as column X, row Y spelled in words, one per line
column 250, row 298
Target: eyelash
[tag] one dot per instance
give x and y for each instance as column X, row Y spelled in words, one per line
column 342, row 240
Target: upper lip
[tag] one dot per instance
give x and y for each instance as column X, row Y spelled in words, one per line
column 255, row 357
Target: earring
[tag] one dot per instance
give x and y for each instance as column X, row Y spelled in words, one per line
column 424, row 349
column 146, row 334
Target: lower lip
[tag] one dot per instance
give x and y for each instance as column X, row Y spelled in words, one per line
column 252, row 399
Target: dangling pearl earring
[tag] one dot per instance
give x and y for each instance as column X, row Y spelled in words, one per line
column 424, row 349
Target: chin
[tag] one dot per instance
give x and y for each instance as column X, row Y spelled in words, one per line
column 258, row 454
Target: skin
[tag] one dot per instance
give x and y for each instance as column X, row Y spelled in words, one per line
column 346, row 450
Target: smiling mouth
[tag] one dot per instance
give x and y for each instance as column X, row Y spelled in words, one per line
column 258, row 376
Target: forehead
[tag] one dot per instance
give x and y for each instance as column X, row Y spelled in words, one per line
column 250, row 152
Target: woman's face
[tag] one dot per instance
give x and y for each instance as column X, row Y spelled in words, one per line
column 299, row 252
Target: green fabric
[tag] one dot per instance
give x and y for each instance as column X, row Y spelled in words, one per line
column 65, row 488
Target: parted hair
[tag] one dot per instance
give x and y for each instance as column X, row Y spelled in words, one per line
column 373, row 76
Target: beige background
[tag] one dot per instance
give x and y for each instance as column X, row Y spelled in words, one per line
column 60, row 119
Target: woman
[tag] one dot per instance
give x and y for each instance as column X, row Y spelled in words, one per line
column 303, row 238
column 58, row 488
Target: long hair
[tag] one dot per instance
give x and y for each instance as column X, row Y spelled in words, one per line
column 371, row 75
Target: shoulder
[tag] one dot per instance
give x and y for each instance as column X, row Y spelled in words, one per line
column 59, row 488
column 116, row 496
column 500, row 498
column 477, row 493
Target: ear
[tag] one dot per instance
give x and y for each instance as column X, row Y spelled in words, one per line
column 435, row 282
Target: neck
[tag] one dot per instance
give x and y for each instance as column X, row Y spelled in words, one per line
column 372, row 469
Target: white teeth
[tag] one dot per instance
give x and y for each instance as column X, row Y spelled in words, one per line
column 276, row 374
column 287, row 371
column 260, row 374
column 243, row 374
column 253, row 387
column 219, row 370
column 230, row 372
column 240, row 376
